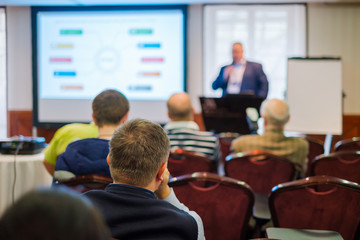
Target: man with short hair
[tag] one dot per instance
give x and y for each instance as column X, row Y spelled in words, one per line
column 242, row 76
column 140, row 204
column 184, row 133
column 88, row 156
column 275, row 113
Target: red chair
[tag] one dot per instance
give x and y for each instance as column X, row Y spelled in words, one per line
column 344, row 164
column 299, row 205
column 86, row 183
column 182, row 162
column 316, row 147
column 225, row 140
column 261, row 170
column 352, row 144
column 224, row 205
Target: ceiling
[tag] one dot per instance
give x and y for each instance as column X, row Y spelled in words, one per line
column 135, row 2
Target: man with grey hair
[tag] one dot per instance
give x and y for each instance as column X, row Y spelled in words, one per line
column 275, row 113
column 140, row 204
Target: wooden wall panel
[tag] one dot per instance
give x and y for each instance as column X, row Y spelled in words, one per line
column 351, row 126
column 200, row 121
column 20, row 123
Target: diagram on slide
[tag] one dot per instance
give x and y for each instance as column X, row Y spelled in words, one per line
column 140, row 53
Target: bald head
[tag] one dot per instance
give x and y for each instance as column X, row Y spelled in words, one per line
column 180, row 107
column 275, row 113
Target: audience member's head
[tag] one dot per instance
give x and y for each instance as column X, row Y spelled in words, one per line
column 180, row 107
column 138, row 150
column 275, row 113
column 110, row 107
column 237, row 52
column 53, row 214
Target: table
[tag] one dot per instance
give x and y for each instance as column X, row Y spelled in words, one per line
column 30, row 174
column 302, row 234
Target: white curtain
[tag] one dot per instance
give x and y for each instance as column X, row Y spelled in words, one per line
column 269, row 33
column 334, row 30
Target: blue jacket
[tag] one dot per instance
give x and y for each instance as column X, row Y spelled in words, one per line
column 86, row 156
column 254, row 80
column 135, row 213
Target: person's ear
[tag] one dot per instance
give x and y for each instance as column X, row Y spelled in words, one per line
column 159, row 175
column 288, row 119
column 125, row 118
column 108, row 160
column 93, row 118
column 265, row 120
column 169, row 116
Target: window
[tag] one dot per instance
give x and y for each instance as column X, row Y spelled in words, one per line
column 3, row 85
column 269, row 33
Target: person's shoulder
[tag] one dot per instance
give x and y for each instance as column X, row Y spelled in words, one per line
column 225, row 66
column 100, row 195
column 76, row 127
column 300, row 141
column 172, row 210
column 253, row 64
column 243, row 138
column 91, row 193
column 88, row 144
column 206, row 133
column 80, row 126
column 238, row 143
column 304, row 143
column 93, row 141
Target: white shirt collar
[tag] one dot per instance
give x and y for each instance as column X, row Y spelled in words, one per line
column 181, row 124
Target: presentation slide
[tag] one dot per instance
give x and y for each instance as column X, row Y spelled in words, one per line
column 78, row 53
column 82, row 53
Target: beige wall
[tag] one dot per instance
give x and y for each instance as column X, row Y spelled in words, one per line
column 333, row 30
column 19, row 58
column 194, row 66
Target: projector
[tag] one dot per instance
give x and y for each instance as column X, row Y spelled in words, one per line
column 24, row 145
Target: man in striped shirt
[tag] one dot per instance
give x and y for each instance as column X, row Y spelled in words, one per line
column 184, row 133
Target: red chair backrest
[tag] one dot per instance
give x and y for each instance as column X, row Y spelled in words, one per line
column 182, row 162
column 316, row 148
column 345, row 165
column 86, row 183
column 224, row 207
column 225, row 140
column 352, row 144
column 224, row 148
column 298, row 205
column 261, row 170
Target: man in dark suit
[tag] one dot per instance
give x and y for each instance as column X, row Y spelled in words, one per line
column 242, row 77
column 140, row 204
